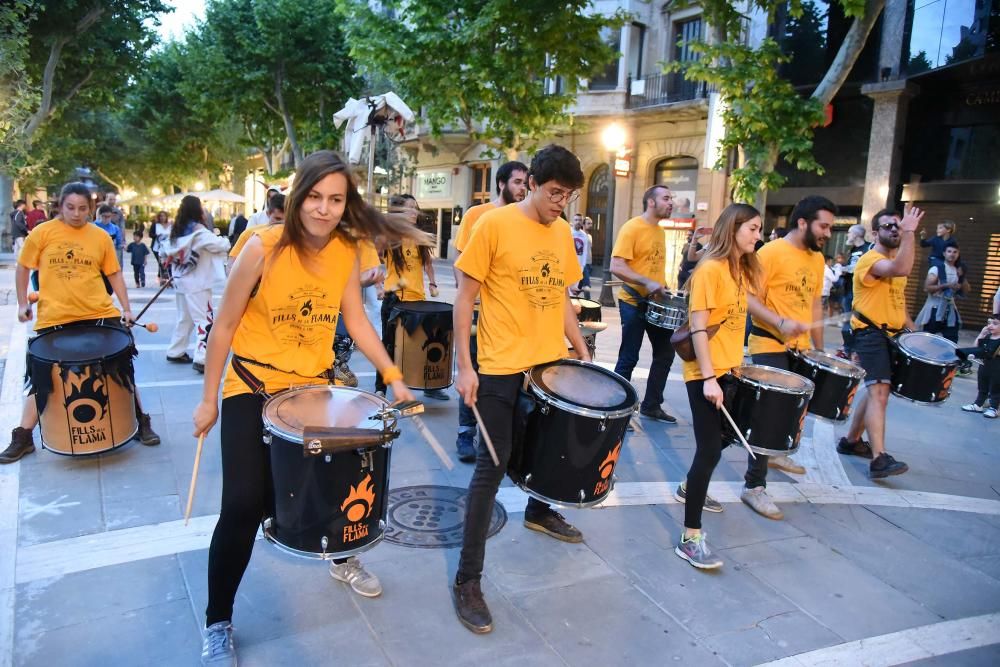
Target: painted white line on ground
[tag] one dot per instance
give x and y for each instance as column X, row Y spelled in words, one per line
column 927, row 641
column 77, row 554
column 820, row 458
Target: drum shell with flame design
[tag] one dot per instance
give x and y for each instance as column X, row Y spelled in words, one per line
column 424, row 343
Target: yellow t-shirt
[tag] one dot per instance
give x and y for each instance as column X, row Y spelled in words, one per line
column 234, row 252
column 791, row 283
column 644, row 248
column 468, row 223
column 290, row 321
column 525, row 268
column 882, row 300
column 412, row 272
column 70, row 262
column 367, row 255
column 713, row 289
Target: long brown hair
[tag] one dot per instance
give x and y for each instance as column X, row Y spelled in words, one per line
column 360, row 221
column 397, row 204
column 745, row 268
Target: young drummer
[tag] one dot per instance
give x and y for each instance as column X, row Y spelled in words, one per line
column 521, row 262
column 718, row 297
column 73, row 258
column 277, row 343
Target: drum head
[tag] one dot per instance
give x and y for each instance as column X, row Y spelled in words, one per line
column 585, row 303
column 288, row 413
column 776, row 379
column 584, row 385
column 423, row 307
column 77, row 344
column 833, row 364
column 928, row 347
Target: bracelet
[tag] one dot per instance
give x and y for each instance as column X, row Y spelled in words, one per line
column 433, row 284
column 391, row 374
column 699, row 331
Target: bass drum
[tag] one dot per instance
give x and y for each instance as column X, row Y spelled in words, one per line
column 424, row 343
column 769, row 406
column 924, row 367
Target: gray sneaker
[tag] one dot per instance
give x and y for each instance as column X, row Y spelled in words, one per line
column 361, row 580
column 218, row 648
column 761, row 503
column 711, row 504
column 695, row 551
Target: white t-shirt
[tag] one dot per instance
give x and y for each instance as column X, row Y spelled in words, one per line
column 258, row 218
column 831, row 275
column 581, row 241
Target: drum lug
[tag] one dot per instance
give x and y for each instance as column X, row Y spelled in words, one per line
column 323, row 543
column 527, row 478
column 367, row 461
column 328, row 458
column 757, row 397
column 604, row 424
column 802, row 401
column 545, row 408
column 583, row 496
column 267, row 438
column 838, row 414
column 381, row 524
column 790, row 441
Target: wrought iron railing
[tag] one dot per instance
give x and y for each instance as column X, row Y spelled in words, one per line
column 667, row 88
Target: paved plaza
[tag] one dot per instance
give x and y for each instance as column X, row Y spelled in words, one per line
column 97, row 568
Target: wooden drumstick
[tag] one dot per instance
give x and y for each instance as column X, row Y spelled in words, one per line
column 194, row 478
column 433, row 442
column 155, row 297
column 737, row 429
column 486, row 436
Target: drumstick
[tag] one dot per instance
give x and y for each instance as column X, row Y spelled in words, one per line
column 194, row 478
column 152, row 327
column 155, row 296
column 737, row 429
column 433, row 442
column 486, row 436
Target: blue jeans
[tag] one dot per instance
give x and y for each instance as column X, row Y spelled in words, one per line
column 466, row 418
column 633, row 325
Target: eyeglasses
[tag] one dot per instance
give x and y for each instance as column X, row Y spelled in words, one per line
column 560, row 196
column 889, row 225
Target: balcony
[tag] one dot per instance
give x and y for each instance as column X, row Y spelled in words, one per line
column 662, row 89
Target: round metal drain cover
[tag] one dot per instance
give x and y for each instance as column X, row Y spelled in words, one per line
column 432, row 517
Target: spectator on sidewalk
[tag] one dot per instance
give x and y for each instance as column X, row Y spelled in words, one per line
column 581, row 242
column 944, row 282
column 159, row 230
column 36, row 215
column 105, row 220
column 138, row 252
column 987, row 350
column 856, row 247
column 111, row 199
column 18, row 226
column 831, row 275
column 937, row 244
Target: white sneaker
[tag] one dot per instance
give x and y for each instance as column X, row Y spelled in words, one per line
column 990, row 413
column 353, row 572
column 972, row 407
column 761, row 503
column 218, row 649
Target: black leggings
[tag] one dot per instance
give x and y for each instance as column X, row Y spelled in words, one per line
column 708, row 442
column 388, row 334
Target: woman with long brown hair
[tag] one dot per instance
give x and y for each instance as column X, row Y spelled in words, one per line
column 718, row 298
column 277, row 343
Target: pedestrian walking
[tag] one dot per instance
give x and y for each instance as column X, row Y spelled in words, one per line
column 159, row 231
column 18, row 225
column 137, row 252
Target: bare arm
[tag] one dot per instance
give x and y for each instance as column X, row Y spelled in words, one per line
column 571, row 327
column 902, row 263
column 783, row 325
column 621, row 269
column 21, row 274
column 467, row 383
column 117, row 281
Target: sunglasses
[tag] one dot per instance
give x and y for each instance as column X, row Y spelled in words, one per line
column 889, row 225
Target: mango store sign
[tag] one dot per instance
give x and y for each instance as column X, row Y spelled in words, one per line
column 433, row 185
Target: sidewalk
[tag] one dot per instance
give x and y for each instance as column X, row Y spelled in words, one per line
column 97, row 569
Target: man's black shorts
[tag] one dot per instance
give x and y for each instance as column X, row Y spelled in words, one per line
column 875, row 353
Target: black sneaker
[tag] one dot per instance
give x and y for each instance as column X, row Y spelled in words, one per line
column 466, row 446
column 198, row 367
column 470, row 606
column 553, row 524
column 146, row 434
column 183, row 359
column 860, row 447
column 658, row 414
column 21, row 444
column 885, row 465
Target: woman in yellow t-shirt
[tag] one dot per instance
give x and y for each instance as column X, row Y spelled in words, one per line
column 74, row 258
column 278, row 315
column 406, row 265
column 718, row 296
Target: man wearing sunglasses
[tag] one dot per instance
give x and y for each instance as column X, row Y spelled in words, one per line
column 880, row 312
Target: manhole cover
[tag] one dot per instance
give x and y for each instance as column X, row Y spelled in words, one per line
column 432, row 517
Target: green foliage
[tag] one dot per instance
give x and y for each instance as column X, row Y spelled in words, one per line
column 918, row 63
column 480, row 64
column 19, row 94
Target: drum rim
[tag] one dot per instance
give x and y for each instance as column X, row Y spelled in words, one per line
column 919, row 357
column 298, row 438
column 312, row 555
column 858, row 374
column 401, row 306
column 809, row 389
column 91, row 360
column 581, row 410
column 585, row 303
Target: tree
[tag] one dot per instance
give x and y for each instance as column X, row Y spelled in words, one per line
column 918, row 63
column 765, row 117
column 482, row 64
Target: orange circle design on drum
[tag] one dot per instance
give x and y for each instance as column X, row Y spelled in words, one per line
column 609, row 463
column 359, row 501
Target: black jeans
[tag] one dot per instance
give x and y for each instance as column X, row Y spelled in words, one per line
column 139, row 273
column 988, row 380
column 497, row 397
column 388, row 334
column 756, row 474
column 707, row 421
column 633, row 325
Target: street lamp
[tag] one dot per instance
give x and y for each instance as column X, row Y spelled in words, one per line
column 199, row 186
column 156, row 191
column 613, row 139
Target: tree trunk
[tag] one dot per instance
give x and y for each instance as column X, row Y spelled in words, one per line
column 6, row 206
column 848, row 54
column 286, row 117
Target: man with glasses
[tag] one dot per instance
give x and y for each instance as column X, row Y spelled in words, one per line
column 639, row 259
column 521, row 262
column 880, row 312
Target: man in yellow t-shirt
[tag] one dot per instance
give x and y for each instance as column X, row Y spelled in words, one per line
column 639, row 259
column 789, row 303
column 512, row 186
column 880, row 311
column 521, row 262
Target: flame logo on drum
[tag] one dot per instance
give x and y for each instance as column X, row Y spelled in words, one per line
column 436, row 346
column 306, row 308
column 359, row 501
column 608, row 464
column 87, row 399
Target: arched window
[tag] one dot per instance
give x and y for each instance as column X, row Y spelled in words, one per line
column 597, row 208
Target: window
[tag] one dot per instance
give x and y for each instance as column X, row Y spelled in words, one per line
column 686, row 32
column 636, row 45
column 482, row 182
column 597, row 208
column 608, row 80
column 943, row 32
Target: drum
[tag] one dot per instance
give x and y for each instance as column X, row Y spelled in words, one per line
column 590, row 311
column 424, row 343
column 574, row 422
column 669, row 312
column 836, row 382
column 329, row 498
column 84, row 386
column 769, row 405
column 924, row 367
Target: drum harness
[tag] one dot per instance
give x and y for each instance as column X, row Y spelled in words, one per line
column 254, row 383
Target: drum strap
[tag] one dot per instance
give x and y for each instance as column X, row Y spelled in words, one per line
column 757, row 331
column 252, row 381
column 632, row 292
column 884, row 328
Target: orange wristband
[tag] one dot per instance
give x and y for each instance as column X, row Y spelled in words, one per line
column 391, row 374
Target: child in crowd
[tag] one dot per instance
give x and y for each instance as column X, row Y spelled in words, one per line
column 987, row 349
column 138, row 252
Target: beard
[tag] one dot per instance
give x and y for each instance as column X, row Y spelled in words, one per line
column 507, row 196
column 813, row 242
column 887, row 239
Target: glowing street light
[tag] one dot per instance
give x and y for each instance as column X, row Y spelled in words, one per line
column 155, row 191
column 199, row 186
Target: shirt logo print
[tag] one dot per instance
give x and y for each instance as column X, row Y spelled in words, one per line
column 542, row 280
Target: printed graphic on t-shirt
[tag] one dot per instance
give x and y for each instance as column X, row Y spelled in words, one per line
column 579, row 245
column 802, row 288
column 303, row 316
column 542, row 281
column 67, row 259
column 736, row 316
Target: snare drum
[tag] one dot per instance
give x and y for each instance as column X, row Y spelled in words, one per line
column 590, row 311
column 769, row 405
column 84, row 388
column 574, row 432
column 836, row 382
column 669, row 312
column 424, row 343
column 924, row 367
column 329, row 501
